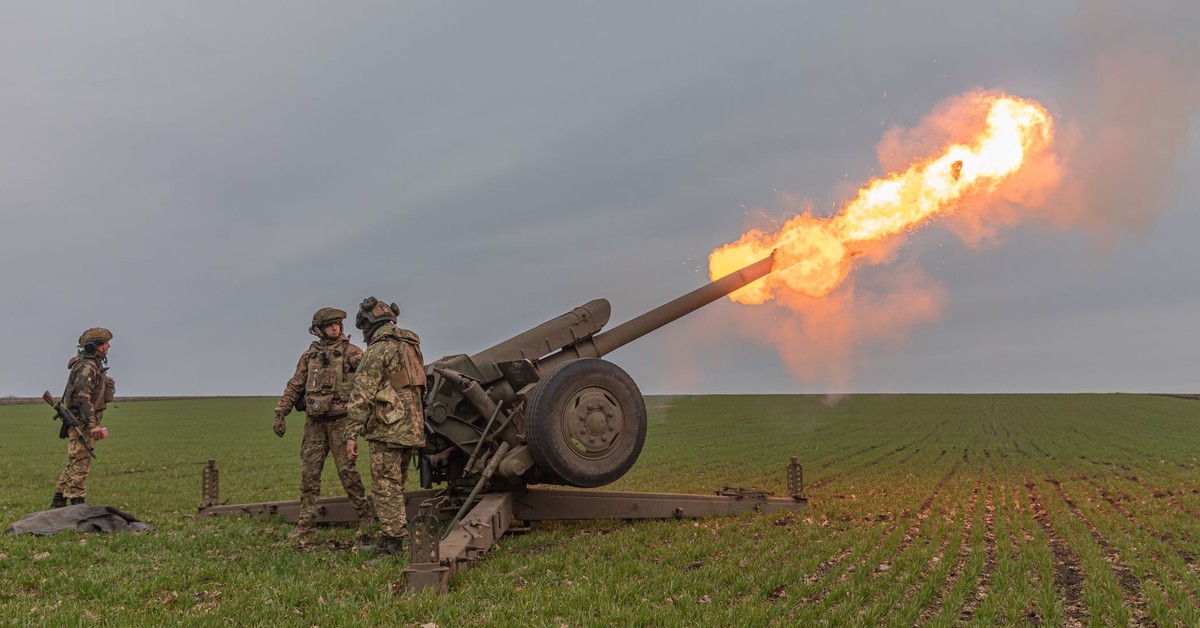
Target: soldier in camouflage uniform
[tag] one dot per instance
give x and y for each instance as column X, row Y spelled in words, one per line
column 387, row 408
column 89, row 389
column 321, row 385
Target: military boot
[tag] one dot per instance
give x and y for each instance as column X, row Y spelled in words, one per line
column 365, row 541
column 389, row 545
column 58, row 501
column 77, row 500
column 366, row 545
column 386, row 549
column 303, row 531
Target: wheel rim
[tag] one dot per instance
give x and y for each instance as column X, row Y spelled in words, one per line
column 592, row 422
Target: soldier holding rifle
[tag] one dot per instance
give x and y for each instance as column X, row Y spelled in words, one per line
column 89, row 389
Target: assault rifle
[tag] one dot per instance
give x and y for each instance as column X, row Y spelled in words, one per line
column 71, row 425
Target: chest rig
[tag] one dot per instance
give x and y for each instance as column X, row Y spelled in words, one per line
column 89, row 372
column 328, row 378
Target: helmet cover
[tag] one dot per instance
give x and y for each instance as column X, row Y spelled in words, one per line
column 95, row 336
column 325, row 316
column 372, row 311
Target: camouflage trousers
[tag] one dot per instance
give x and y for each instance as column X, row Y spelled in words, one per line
column 79, row 463
column 389, row 470
column 322, row 438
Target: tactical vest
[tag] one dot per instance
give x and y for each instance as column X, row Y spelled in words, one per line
column 104, row 386
column 398, row 404
column 328, row 378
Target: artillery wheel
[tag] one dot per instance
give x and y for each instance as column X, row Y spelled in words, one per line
column 586, row 422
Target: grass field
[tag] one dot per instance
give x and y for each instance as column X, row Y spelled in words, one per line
column 929, row 509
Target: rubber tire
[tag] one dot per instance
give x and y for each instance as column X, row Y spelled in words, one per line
column 551, row 446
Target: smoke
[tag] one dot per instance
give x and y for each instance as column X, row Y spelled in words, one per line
column 824, row 340
column 1121, row 126
column 1129, row 121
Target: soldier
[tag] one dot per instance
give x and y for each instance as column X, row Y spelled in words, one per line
column 386, row 408
column 321, row 385
column 89, row 389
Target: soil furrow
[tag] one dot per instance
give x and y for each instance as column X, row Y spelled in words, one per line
column 1161, row 493
column 866, row 465
column 960, row 557
column 849, row 456
column 923, row 513
column 1068, row 574
column 1131, row 585
column 1167, row 539
column 989, row 548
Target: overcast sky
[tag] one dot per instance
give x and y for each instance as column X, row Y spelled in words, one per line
column 200, row 177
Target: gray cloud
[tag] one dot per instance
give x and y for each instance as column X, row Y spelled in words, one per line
column 201, row 178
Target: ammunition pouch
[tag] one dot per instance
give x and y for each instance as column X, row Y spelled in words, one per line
column 399, row 413
column 317, row 405
column 388, row 409
column 110, row 389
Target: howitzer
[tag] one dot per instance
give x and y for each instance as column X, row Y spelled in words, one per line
column 539, row 408
column 563, row 415
column 70, row 425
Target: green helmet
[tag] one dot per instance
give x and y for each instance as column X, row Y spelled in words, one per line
column 372, row 311
column 94, row 337
column 325, row 316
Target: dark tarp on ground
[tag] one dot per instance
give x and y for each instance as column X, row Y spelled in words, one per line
column 80, row 517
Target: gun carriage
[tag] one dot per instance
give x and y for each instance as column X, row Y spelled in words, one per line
column 540, row 408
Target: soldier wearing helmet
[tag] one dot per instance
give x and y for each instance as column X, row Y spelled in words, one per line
column 321, row 387
column 89, row 389
column 387, row 409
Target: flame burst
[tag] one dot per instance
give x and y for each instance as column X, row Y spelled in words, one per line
column 812, row 255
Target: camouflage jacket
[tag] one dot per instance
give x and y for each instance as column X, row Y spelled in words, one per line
column 318, row 379
column 89, row 388
column 387, row 400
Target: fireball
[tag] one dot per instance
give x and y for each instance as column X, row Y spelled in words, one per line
column 812, row 255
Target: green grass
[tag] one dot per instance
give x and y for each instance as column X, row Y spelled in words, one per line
column 935, row 509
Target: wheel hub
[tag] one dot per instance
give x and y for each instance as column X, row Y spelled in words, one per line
column 593, row 420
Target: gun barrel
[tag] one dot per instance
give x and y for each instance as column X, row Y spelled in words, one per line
column 635, row 328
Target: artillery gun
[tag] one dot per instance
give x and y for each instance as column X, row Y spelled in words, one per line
column 541, row 408
column 567, row 416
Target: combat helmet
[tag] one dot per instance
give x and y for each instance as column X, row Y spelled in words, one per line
column 325, row 316
column 93, row 338
column 372, row 312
